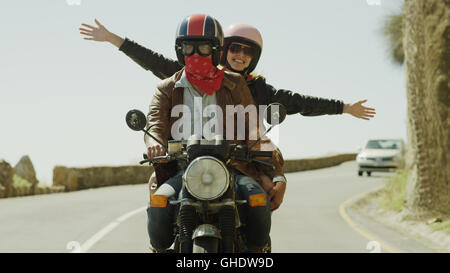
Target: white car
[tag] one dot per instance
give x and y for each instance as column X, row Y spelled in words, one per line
column 380, row 155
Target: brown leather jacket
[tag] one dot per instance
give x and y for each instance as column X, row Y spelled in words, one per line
column 234, row 91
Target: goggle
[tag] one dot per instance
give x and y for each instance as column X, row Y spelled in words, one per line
column 236, row 48
column 202, row 48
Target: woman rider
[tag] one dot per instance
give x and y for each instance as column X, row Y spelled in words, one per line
column 242, row 49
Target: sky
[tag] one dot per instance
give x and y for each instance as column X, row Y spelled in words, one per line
column 63, row 99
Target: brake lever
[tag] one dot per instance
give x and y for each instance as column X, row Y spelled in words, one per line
column 144, row 161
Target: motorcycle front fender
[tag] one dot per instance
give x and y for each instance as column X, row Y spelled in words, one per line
column 206, row 230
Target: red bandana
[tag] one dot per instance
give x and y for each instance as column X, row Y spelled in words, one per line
column 202, row 73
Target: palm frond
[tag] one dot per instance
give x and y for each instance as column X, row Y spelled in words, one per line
column 393, row 30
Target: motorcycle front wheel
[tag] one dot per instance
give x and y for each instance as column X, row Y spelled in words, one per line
column 205, row 245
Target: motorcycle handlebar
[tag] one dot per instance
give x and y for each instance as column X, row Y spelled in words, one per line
column 154, row 159
column 261, row 153
column 250, row 156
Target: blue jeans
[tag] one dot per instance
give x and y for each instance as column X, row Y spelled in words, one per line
column 257, row 219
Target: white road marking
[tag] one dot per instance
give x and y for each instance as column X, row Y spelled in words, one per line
column 107, row 229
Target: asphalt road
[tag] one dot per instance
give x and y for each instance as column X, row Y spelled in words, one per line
column 113, row 219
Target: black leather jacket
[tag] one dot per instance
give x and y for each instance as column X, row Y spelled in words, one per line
column 263, row 93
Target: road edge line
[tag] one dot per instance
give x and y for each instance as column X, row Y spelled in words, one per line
column 343, row 213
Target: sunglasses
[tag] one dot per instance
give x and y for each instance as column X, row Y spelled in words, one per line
column 202, row 48
column 236, row 48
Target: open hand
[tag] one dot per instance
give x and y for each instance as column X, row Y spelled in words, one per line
column 99, row 33
column 359, row 111
column 276, row 195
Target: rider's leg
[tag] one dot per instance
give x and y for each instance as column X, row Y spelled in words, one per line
column 256, row 212
column 160, row 218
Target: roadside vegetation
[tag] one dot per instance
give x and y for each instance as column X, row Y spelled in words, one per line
column 394, row 195
column 393, row 198
column 20, row 182
column 442, row 226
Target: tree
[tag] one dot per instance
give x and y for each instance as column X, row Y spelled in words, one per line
column 422, row 34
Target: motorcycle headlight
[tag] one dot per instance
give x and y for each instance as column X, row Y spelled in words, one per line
column 206, row 178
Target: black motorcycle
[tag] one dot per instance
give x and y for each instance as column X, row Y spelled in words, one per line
column 207, row 218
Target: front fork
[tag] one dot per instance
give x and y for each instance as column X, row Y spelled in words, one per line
column 187, row 222
column 228, row 220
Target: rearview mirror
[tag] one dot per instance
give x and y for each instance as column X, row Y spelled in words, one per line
column 275, row 113
column 136, row 120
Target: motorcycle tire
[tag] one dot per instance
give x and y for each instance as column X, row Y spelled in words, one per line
column 205, row 245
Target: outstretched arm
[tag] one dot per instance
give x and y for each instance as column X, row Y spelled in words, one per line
column 161, row 66
column 308, row 105
column 359, row 111
column 295, row 103
column 100, row 34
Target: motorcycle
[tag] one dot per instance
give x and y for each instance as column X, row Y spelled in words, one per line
column 207, row 217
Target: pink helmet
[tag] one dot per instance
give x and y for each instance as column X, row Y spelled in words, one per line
column 246, row 34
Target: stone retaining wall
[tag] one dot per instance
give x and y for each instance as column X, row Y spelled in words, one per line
column 296, row 165
column 84, row 178
column 72, row 179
